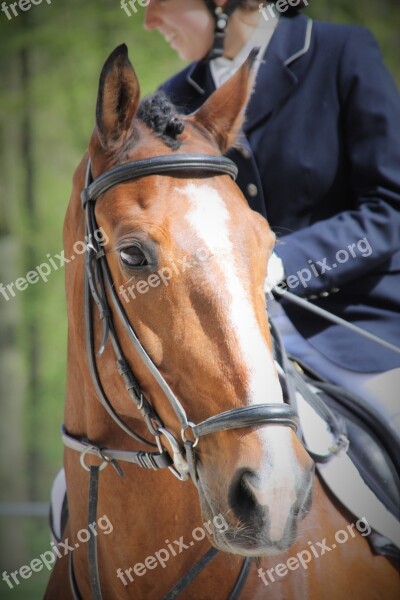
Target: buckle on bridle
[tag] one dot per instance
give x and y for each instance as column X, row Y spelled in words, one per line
column 100, row 453
column 190, row 426
column 341, row 445
column 103, row 465
column 180, row 467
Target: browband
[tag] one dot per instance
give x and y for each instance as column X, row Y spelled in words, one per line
column 201, row 164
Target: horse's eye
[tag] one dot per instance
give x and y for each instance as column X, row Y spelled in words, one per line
column 133, row 256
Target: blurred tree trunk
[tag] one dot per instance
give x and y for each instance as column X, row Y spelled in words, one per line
column 13, row 545
column 30, row 296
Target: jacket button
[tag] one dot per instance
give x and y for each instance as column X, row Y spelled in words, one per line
column 335, row 290
column 245, row 152
column 313, row 297
column 252, row 190
column 324, row 294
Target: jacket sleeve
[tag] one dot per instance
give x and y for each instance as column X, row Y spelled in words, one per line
column 357, row 241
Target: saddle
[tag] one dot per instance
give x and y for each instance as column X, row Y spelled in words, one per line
column 370, row 445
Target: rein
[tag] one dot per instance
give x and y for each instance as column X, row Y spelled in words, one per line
column 181, row 459
column 321, row 312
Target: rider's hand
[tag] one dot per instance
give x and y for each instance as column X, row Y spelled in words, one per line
column 275, row 273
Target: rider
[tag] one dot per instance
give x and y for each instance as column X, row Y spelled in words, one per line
column 319, row 156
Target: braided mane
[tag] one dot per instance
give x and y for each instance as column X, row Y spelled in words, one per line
column 158, row 113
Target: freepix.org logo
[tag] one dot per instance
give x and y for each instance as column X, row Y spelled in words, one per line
column 162, row 556
column 133, row 5
column 273, row 9
column 63, row 548
column 15, row 8
column 44, row 270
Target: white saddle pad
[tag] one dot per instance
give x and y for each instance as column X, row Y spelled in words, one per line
column 343, row 478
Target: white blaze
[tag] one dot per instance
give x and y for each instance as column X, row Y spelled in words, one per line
column 279, row 486
column 209, row 217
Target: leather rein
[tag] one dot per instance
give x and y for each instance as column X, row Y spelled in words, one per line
column 178, row 455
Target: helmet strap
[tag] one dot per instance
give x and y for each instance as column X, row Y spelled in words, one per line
column 221, row 16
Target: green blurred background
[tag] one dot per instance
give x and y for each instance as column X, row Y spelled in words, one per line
column 50, row 59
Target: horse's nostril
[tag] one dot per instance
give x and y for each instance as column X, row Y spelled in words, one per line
column 256, row 488
column 242, row 496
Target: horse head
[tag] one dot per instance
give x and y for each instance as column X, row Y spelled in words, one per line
column 188, row 259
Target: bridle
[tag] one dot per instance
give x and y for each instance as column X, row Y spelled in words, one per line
column 98, row 282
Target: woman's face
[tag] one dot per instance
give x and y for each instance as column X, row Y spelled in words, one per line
column 186, row 25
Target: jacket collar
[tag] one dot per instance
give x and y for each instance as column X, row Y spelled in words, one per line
column 290, row 41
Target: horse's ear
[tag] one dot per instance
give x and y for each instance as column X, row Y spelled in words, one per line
column 223, row 113
column 117, row 99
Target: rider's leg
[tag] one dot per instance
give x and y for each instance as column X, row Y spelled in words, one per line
column 380, row 389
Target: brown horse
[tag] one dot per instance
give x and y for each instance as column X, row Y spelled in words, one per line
column 186, row 258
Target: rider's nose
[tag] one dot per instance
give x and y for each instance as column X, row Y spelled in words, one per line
column 151, row 18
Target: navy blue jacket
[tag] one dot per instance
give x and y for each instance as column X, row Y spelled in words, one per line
column 320, row 158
